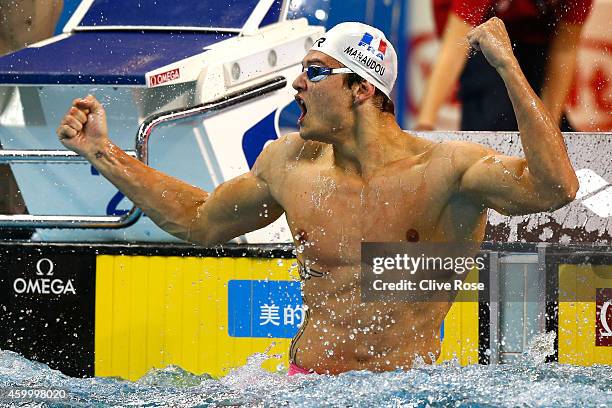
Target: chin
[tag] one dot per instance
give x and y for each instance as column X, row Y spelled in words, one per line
column 316, row 135
column 306, row 133
column 311, row 136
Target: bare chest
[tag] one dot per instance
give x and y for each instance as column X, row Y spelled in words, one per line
column 331, row 213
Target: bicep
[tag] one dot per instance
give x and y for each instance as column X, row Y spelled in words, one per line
column 504, row 184
column 235, row 207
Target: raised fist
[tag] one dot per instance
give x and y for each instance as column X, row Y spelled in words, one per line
column 492, row 39
column 83, row 129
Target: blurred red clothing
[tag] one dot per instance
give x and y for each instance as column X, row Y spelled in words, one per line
column 528, row 21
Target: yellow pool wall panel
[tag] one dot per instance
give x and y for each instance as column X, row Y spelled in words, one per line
column 461, row 329
column 576, row 324
column 155, row 311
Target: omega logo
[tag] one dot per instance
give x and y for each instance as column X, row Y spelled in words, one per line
column 49, row 264
column 43, row 284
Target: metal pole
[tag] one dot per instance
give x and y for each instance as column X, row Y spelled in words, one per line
column 141, row 153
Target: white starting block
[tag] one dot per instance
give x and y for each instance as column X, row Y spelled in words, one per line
column 140, row 59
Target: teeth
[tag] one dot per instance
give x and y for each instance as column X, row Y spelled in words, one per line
column 301, row 104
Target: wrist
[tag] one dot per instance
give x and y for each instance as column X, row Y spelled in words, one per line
column 99, row 151
column 508, row 65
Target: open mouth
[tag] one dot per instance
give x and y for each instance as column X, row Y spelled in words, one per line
column 303, row 109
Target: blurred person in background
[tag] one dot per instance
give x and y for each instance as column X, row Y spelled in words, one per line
column 545, row 36
column 22, row 23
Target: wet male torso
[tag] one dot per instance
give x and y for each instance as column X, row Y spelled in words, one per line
column 330, row 211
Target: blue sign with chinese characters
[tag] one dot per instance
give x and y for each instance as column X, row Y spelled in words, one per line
column 258, row 308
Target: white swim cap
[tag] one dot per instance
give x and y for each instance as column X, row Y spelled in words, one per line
column 365, row 50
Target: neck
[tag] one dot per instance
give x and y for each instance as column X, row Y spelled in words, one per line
column 375, row 140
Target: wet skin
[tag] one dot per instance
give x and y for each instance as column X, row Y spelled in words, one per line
column 352, row 175
column 331, row 211
column 26, row 22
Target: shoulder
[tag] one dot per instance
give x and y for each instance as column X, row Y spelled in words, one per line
column 284, row 150
column 463, row 153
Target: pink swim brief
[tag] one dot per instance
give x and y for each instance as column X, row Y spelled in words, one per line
column 296, row 369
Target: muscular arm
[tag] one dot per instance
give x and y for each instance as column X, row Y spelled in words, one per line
column 235, row 207
column 560, row 68
column 447, row 68
column 544, row 179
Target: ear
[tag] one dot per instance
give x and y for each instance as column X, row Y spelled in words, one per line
column 363, row 91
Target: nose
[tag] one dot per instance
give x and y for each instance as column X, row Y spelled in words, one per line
column 299, row 83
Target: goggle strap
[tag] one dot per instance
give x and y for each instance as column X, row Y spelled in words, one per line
column 341, row 71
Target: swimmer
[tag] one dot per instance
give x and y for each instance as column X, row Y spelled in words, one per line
column 352, row 175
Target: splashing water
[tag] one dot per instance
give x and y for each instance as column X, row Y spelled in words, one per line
column 541, row 346
column 447, row 384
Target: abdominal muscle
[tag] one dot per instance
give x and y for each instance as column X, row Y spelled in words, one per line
column 340, row 333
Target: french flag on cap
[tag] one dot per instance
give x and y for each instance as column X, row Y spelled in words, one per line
column 374, row 44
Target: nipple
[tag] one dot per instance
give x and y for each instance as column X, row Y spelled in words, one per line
column 412, row 235
column 301, row 236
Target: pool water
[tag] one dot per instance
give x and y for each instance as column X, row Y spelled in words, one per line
column 528, row 383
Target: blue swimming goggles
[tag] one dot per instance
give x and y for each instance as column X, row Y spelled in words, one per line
column 316, row 73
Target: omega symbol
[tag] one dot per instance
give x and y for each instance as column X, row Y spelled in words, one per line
column 49, row 267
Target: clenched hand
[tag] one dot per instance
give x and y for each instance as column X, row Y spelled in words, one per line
column 83, row 129
column 492, row 39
